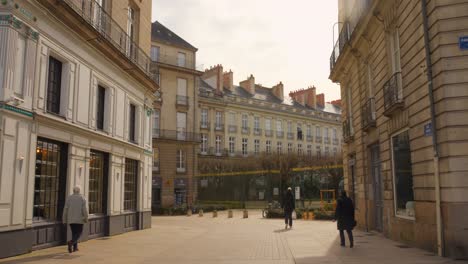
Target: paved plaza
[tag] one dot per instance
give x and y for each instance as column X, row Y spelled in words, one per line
column 254, row 240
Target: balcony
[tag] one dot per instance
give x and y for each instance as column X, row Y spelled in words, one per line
column 299, row 135
column 368, row 114
column 359, row 10
column 326, row 140
column 393, row 94
column 205, row 125
column 173, row 60
column 279, row 134
column 89, row 20
column 182, row 100
column 219, row 127
column 336, row 141
column 318, row 139
column 268, row 133
column 245, row 130
column 257, row 131
column 176, row 135
column 348, row 133
column 290, row 135
column 309, row 138
column 232, row 129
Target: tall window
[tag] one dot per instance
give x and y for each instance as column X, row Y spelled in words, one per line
column 245, row 121
column 279, row 126
column 54, row 85
column 394, row 46
column 279, row 147
column 182, row 98
column 268, row 124
column 130, row 185
column 318, row 152
column 256, row 123
column 181, row 59
column 156, row 123
column 204, row 117
column 131, row 19
column 204, row 143
column 232, row 119
column 318, row 133
column 257, row 146
column 20, row 59
column 97, row 190
column 232, row 145
column 180, row 162
column 268, row 147
column 219, row 119
column 49, row 179
column 244, row 147
column 101, row 99
column 181, row 125
column 326, row 135
column 299, row 149
column 290, row 127
column 335, row 135
column 402, row 174
column 335, row 152
column 155, row 53
column 309, row 150
column 218, row 145
column 290, row 148
column 156, row 159
column 132, row 123
column 327, row 152
column 309, row 130
column 299, row 131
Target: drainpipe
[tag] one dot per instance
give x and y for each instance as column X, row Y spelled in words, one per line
column 440, row 242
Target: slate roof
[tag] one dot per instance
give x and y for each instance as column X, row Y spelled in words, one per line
column 162, row 34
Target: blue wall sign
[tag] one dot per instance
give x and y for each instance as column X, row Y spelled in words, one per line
column 463, row 43
column 428, row 130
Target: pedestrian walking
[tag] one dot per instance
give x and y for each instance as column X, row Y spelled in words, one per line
column 288, row 206
column 344, row 215
column 75, row 214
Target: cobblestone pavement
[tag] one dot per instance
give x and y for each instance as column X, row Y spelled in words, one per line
column 221, row 240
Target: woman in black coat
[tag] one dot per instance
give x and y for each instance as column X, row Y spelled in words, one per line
column 345, row 216
column 289, row 206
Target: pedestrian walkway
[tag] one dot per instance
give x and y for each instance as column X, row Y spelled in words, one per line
column 222, row 240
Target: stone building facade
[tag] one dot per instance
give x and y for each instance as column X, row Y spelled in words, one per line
column 175, row 133
column 249, row 119
column 403, row 82
column 75, row 108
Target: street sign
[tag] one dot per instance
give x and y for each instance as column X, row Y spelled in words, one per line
column 463, row 42
column 428, row 130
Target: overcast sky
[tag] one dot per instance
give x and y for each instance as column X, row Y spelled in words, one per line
column 275, row 40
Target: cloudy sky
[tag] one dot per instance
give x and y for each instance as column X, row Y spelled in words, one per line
column 275, row 40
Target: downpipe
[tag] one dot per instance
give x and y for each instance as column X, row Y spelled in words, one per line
column 440, row 235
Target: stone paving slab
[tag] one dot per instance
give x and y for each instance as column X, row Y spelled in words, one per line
column 254, row 240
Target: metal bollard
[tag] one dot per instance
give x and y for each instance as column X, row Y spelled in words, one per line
column 200, row 212
column 215, row 213
column 246, row 213
column 230, row 214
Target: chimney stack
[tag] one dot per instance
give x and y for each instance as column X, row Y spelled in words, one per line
column 278, row 91
column 249, row 84
column 321, row 100
column 214, row 77
column 305, row 97
column 228, row 80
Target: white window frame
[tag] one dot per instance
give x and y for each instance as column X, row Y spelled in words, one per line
column 279, row 147
column 204, row 118
column 204, row 144
column 181, row 160
column 232, row 145
column 268, row 146
column 181, row 59
column 155, row 53
column 245, row 145
column 245, row 121
column 218, row 144
column 218, row 119
column 257, row 146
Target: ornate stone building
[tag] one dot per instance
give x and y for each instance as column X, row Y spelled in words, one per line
column 249, row 119
column 75, row 108
column 403, row 75
column 175, row 133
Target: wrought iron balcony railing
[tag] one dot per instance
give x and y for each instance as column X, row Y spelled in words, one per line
column 348, row 132
column 326, row 140
column 309, row 138
column 343, row 38
column 257, row 131
column 93, row 14
column 268, row 133
column 178, row 135
column 279, row 134
column 245, row 130
column 182, row 100
column 232, row 128
column 368, row 114
column 290, row 135
column 318, row 139
column 336, row 141
column 174, row 60
column 219, row 127
column 393, row 94
column 205, row 125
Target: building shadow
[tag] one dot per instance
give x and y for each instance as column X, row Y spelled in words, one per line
column 56, row 256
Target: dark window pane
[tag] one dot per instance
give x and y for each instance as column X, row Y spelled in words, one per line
column 130, row 185
column 100, row 108
column 403, row 175
column 54, row 85
column 131, row 129
column 97, row 183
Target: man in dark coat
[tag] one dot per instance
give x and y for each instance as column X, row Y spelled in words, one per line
column 345, row 216
column 289, row 206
